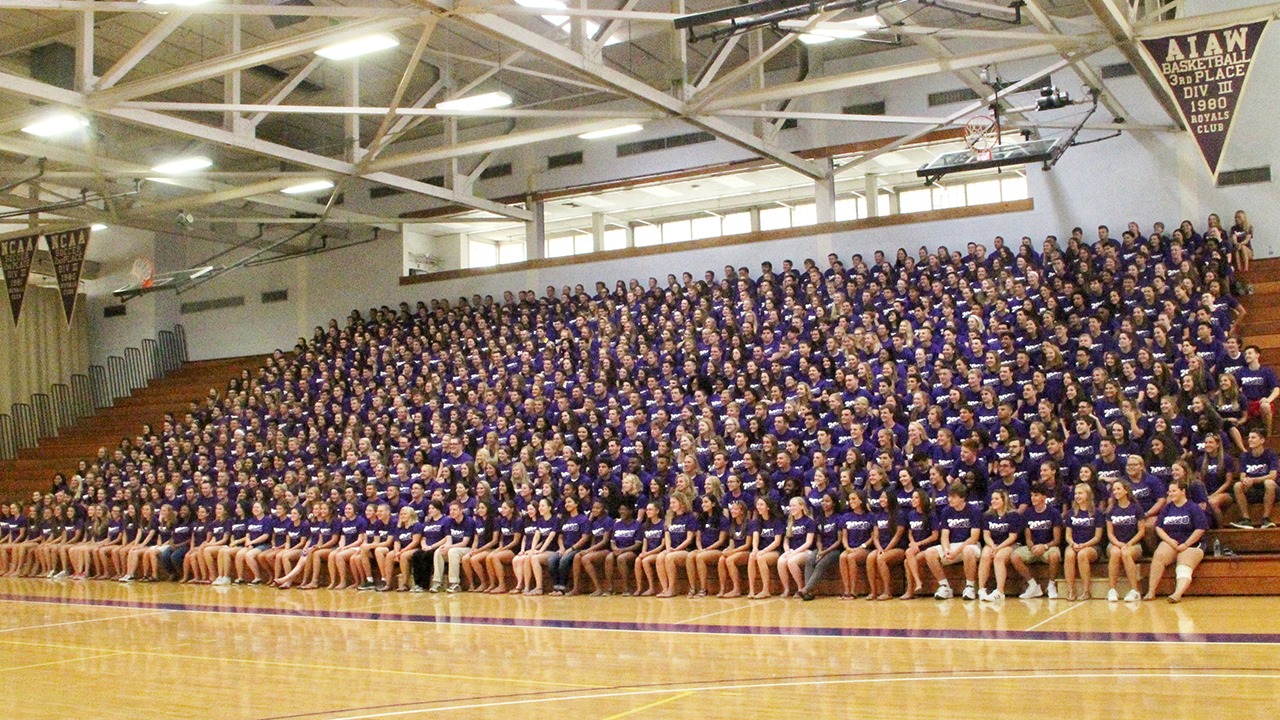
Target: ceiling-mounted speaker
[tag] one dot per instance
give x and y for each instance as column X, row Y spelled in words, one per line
column 283, row 21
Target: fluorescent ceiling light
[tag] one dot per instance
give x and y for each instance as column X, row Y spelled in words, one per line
column 731, row 181
column 308, row 187
column 812, row 39
column 487, row 101
column 659, row 191
column 57, row 124
column 828, row 31
column 183, row 165
column 359, row 46
column 593, row 202
column 98, row 226
column 610, row 132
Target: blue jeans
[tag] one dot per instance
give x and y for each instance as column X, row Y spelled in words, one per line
column 561, row 566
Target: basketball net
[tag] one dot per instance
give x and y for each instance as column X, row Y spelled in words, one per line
column 980, row 136
column 144, row 273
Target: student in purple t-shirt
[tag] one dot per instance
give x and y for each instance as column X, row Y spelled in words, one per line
column 546, row 534
column 960, row 530
column 1257, row 481
column 856, row 527
column 922, row 534
column 682, row 532
column 713, row 533
column 459, row 535
column 508, row 531
column 624, row 543
column 828, row 548
column 520, row 565
column 591, row 558
column 406, row 541
column 653, row 540
column 1084, row 540
column 1043, row 537
column 1001, row 530
column 1258, row 385
column 737, row 550
column 890, row 539
column 1181, row 527
column 1125, row 529
column 766, row 544
column 797, row 545
column 351, row 529
column 474, row 566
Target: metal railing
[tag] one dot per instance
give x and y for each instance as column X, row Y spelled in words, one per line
column 64, row 404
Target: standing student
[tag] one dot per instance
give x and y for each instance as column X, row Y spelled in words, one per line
column 890, row 540
column 573, row 535
column 922, row 533
column 737, row 551
column 591, row 559
column 509, row 531
column 653, row 535
column 766, row 541
column 351, row 529
column 1084, row 538
column 856, row 527
column 827, row 554
column 1043, row 537
column 1124, row 535
column 1002, row 527
column 712, row 536
column 624, row 543
column 682, row 531
column 1181, row 527
column 960, row 532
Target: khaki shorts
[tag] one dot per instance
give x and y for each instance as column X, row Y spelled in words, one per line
column 1024, row 553
column 942, row 557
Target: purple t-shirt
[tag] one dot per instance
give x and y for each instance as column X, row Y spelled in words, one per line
column 1124, row 521
column 958, row 524
column 769, row 530
column 681, row 527
column 1042, row 523
column 857, row 528
column 1002, row 526
column 1256, row 384
column 797, row 530
column 404, row 535
column 1082, row 524
column 352, row 529
column 1180, row 522
column 625, row 532
column 828, row 530
column 459, row 531
column 572, row 528
column 710, row 527
column 651, row 534
column 1257, row 465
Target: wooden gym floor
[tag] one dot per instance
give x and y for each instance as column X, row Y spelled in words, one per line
column 154, row 651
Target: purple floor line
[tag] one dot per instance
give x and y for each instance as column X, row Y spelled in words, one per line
column 846, row 632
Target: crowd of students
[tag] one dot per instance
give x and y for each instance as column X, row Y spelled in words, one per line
column 996, row 409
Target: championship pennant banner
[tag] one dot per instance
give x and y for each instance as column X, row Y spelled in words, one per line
column 15, row 257
column 68, row 250
column 1207, row 70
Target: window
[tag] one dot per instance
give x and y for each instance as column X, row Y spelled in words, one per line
column 774, row 218
column 676, row 231
column 948, row 197
column 736, row 223
column 481, row 254
column 918, row 200
column 583, row 244
column 615, row 239
column 1013, row 187
column 983, row 192
column 560, row 246
column 804, row 215
column 646, row 235
column 510, row 252
column 847, row 208
column 705, row 227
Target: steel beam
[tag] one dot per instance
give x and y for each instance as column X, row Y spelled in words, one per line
column 1116, row 23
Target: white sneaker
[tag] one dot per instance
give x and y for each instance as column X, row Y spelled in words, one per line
column 60, row 575
column 995, row 596
column 50, row 574
column 944, row 593
column 1133, row 596
column 1053, row 590
column 970, row 593
column 1033, row 591
column 1113, row 596
column 982, row 595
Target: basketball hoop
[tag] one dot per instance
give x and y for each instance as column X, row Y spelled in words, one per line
column 980, row 136
column 144, row 273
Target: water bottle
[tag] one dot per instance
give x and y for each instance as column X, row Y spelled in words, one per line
column 1217, row 547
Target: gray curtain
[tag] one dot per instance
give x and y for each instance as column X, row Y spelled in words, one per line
column 42, row 350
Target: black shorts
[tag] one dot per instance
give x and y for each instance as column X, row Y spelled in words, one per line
column 1256, row 492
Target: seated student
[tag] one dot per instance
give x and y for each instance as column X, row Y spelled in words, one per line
column 737, row 550
column 192, row 565
column 960, row 527
column 1219, row 472
column 351, row 530
column 1084, row 540
column 1002, row 528
column 435, row 535
column 546, row 531
column 1042, row 538
column 653, row 534
column 406, row 542
column 475, row 564
column 591, row 558
column 377, row 542
column 889, row 537
column 509, row 531
column 574, row 535
column 278, row 527
column 459, row 534
column 322, row 536
column 856, row 527
column 766, row 542
column 624, row 543
column 520, row 566
column 1257, row 482
column 297, row 541
column 226, row 556
column 797, row 545
column 922, row 535
column 829, row 549
column 1124, row 536
column 259, row 532
column 682, row 530
column 712, row 535
column 1181, row 527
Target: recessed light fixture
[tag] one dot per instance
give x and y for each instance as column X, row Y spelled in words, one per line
column 56, row 124
column 183, row 165
column 610, row 132
column 308, row 187
column 359, row 46
column 659, row 191
column 731, row 181
column 98, row 226
column 829, row 31
column 486, row 101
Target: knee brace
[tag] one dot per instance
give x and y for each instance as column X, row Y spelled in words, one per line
column 1182, row 572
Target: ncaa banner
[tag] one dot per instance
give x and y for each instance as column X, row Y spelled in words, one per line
column 1206, row 70
column 68, row 250
column 15, row 256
